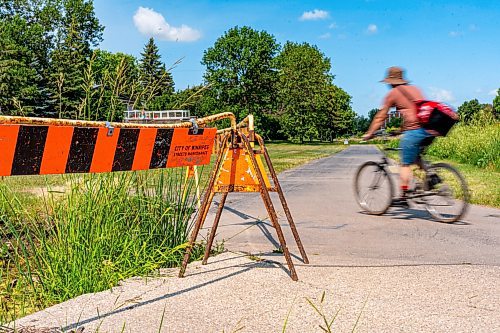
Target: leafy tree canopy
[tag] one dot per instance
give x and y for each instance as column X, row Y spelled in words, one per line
column 303, row 83
column 468, row 109
column 239, row 70
column 496, row 105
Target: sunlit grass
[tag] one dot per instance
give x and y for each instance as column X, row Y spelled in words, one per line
column 477, row 145
column 286, row 155
column 105, row 228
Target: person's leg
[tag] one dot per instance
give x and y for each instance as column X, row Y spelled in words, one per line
column 424, row 144
column 411, row 148
column 405, row 175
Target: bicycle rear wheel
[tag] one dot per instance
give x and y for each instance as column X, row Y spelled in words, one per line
column 450, row 197
column 373, row 188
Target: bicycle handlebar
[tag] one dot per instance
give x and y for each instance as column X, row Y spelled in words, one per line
column 383, row 132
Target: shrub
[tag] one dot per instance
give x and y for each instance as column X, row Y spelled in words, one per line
column 478, row 145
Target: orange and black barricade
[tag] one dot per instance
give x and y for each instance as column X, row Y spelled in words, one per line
column 41, row 146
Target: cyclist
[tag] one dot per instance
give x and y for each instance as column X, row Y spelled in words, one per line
column 415, row 138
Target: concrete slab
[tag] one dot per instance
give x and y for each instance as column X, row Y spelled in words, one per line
column 402, row 272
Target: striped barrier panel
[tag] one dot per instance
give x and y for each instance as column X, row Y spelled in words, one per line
column 54, row 149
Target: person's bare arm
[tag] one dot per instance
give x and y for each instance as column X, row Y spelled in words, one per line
column 377, row 122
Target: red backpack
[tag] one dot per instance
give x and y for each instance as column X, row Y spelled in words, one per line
column 435, row 116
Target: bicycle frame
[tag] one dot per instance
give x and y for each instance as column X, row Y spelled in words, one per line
column 430, row 183
column 421, row 163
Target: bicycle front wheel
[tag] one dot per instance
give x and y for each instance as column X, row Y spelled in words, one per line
column 450, row 197
column 373, row 188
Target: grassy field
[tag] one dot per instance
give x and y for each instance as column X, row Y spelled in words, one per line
column 286, row 155
column 94, row 231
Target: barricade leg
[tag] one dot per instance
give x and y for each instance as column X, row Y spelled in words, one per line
column 270, row 209
column 214, row 228
column 205, row 206
column 194, row 234
column 283, row 201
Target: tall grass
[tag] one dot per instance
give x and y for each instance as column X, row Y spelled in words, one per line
column 107, row 228
column 477, row 145
column 103, row 228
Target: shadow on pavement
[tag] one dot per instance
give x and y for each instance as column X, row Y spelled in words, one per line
column 414, row 214
column 246, row 268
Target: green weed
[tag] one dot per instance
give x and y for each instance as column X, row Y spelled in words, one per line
column 108, row 227
column 477, row 145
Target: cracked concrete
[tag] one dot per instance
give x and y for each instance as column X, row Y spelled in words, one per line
column 401, row 272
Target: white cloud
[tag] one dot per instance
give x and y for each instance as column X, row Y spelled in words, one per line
column 473, row 27
column 153, row 24
column 441, row 95
column 316, row 14
column 493, row 92
column 372, row 29
column 325, row 36
column 333, row 26
column 455, row 34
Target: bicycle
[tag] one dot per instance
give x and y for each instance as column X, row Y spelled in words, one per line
column 442, row 190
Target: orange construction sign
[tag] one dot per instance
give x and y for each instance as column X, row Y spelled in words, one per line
column 188, row 149
column 55, row 149
column 237, row 173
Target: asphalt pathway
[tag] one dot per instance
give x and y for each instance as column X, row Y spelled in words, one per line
column 321, row 199
column 401, row 272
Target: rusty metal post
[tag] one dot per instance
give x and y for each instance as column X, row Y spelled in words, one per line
column 197, row 183
column 214, row 228
column 13, row 120
column 270, row 208
column 282, row 199
column 205, row 206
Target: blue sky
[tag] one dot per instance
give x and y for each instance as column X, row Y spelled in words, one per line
column 450, row 49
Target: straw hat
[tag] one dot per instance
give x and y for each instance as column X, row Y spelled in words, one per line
column 395, row 76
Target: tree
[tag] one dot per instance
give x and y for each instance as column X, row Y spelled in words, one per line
column 77, row 32
column 394, row 122
column 340, row 116
column 26, row 40
column 372, row 113
column 19, row 80
column 41, row 17
column 240, row 72
column 303, row 90
column 361, row 124
column 156, row 81
column 496, row 105
column 197, row 99
column 68, row 65
column 111, row 83
column 468, row 110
